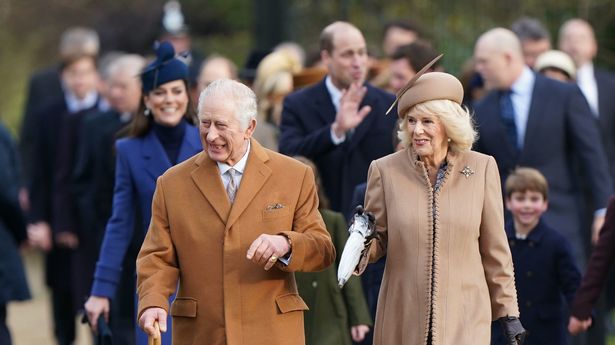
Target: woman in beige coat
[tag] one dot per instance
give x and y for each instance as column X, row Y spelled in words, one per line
column 439, row 219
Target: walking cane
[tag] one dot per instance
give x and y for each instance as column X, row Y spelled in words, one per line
column 155, row 339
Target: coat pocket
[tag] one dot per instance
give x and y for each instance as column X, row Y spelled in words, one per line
column 184, row 306
column 290, row 302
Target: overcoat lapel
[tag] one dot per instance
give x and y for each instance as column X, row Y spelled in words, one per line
column 254, row 177
column 537, row 112
column 207, row 178
column 156, row 160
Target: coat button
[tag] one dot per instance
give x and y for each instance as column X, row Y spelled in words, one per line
column 529, row 274
column 528, row 304
column 531, row 244
column 314, row 284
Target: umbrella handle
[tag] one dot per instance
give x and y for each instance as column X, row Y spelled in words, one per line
column 155, row 339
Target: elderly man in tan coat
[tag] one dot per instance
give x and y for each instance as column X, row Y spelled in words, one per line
column 231, row 224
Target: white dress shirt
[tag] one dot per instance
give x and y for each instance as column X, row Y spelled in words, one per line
column 521, row 98
column 336, row 96
column 75, row 105
column 587, row 83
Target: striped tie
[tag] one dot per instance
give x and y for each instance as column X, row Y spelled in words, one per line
column 231, row 187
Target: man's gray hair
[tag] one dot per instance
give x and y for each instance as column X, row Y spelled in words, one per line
column 239, row 94
column 530, row 29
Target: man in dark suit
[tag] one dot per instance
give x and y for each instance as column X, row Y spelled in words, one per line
column 51, row 204
column 339, row 123
column 45, row 88
column 577, row 39
column 537, row 122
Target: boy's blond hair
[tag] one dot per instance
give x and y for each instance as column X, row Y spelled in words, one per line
column 524, row 179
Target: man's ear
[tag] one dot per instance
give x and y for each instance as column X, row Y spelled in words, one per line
column 325, row 57
column 507, row 203
column 250, row 130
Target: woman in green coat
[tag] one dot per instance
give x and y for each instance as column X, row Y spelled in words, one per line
column 336, row 316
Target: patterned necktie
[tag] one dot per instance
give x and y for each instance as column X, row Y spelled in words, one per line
column 508, row 117
column 231, row 187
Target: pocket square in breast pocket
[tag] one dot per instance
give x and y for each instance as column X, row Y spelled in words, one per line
column 275, row 210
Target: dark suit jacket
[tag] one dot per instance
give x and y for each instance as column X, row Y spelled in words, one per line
column 598, row 267
column 560, row 133
column 545, row 275
column 306, row 131
column 44, row 88
column 606, row 119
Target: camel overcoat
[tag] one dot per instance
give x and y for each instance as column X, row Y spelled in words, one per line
column 198, row 237
column 447, row 254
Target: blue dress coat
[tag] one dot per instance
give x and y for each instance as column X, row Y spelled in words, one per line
column 546, row 278
column 139, row 163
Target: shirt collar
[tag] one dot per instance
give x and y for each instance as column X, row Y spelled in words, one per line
column 74, row 104
column 586, row 71
column 525, row 83
column 334, row 92
column 239, row 166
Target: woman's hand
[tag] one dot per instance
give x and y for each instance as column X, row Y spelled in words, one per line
column 95, row 306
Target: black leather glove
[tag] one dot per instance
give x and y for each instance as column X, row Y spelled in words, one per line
column 513, row 330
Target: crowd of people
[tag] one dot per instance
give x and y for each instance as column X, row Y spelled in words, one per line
column 214, row 201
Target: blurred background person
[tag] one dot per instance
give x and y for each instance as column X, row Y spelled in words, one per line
column 336, row 316
column 92, row 183
column 398, row 33
column 51, row 209
column 274, row 81
column 556, row 65
column 409, row 59
column 161, row 134
column 213, row 68
column 45, row 87
column 338, row 122
column 534, row 38
column 13, row 284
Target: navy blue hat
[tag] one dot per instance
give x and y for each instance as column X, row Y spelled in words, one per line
column 164, row 69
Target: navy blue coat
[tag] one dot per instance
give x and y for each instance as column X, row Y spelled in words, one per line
column 561, row 134
column 13, row 285
column 140, row 161
column 306, row 131
column 545, row 276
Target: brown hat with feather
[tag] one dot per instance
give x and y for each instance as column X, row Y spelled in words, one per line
column 427, row 87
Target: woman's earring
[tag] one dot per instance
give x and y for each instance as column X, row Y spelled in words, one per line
column 449, row 140
column 146, row 112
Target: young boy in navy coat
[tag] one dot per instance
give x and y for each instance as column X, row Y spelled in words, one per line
column 545, row 269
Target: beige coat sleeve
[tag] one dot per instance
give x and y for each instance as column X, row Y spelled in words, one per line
column 495, row 252
column 157, row 269
column 376, row 204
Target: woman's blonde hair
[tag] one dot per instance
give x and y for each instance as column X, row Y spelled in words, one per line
column 456, row 120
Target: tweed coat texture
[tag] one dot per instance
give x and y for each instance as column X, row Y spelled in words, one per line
column 448, row 258
column 198, row 237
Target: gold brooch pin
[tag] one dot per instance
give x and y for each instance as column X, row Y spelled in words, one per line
column 467, row 172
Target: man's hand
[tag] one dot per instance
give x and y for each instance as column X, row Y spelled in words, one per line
column 146, row 321
column 576, row 326
column 67, row 239
column 39, row 236
column 358, row 332
column 596, row 227
column 266, row 250
column 95, row 306
column 349, row 115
